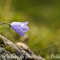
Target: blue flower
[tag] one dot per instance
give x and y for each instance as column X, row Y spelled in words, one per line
column 19, row 27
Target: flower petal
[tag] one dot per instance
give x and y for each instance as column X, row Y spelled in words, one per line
column 18, row 30
column 19, row 27
column 25, row 28
column 18, row 24
column 24, row 23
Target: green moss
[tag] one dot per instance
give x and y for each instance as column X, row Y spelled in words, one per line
column 1, row 41
column 10, row 49
column 2, row 44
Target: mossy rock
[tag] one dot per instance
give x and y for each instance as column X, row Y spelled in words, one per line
column 2, row 42
column 10, row 49
column 7, row 51
column 6, row 55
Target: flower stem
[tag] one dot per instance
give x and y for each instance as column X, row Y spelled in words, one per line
column 4, row 23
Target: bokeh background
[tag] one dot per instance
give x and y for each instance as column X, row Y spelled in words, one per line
column 43, row 37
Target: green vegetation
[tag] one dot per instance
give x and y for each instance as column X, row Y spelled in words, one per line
column 10, row 49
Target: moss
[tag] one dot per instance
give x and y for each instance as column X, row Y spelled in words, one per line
column 10, row 49
column 2, row 44
column 1, row 41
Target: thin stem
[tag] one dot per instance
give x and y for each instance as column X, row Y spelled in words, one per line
column 4, row 23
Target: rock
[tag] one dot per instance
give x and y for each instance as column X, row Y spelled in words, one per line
column 20, row 51
column 6, row 55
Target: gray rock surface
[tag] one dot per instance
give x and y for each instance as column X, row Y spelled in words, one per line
column 17, row 53
column 6, row 55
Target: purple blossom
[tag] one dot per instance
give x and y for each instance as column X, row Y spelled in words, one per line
column 19, row 27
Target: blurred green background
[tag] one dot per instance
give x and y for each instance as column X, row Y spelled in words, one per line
column 43, row 16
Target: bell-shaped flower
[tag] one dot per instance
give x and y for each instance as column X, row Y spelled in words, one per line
column 19, row 27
